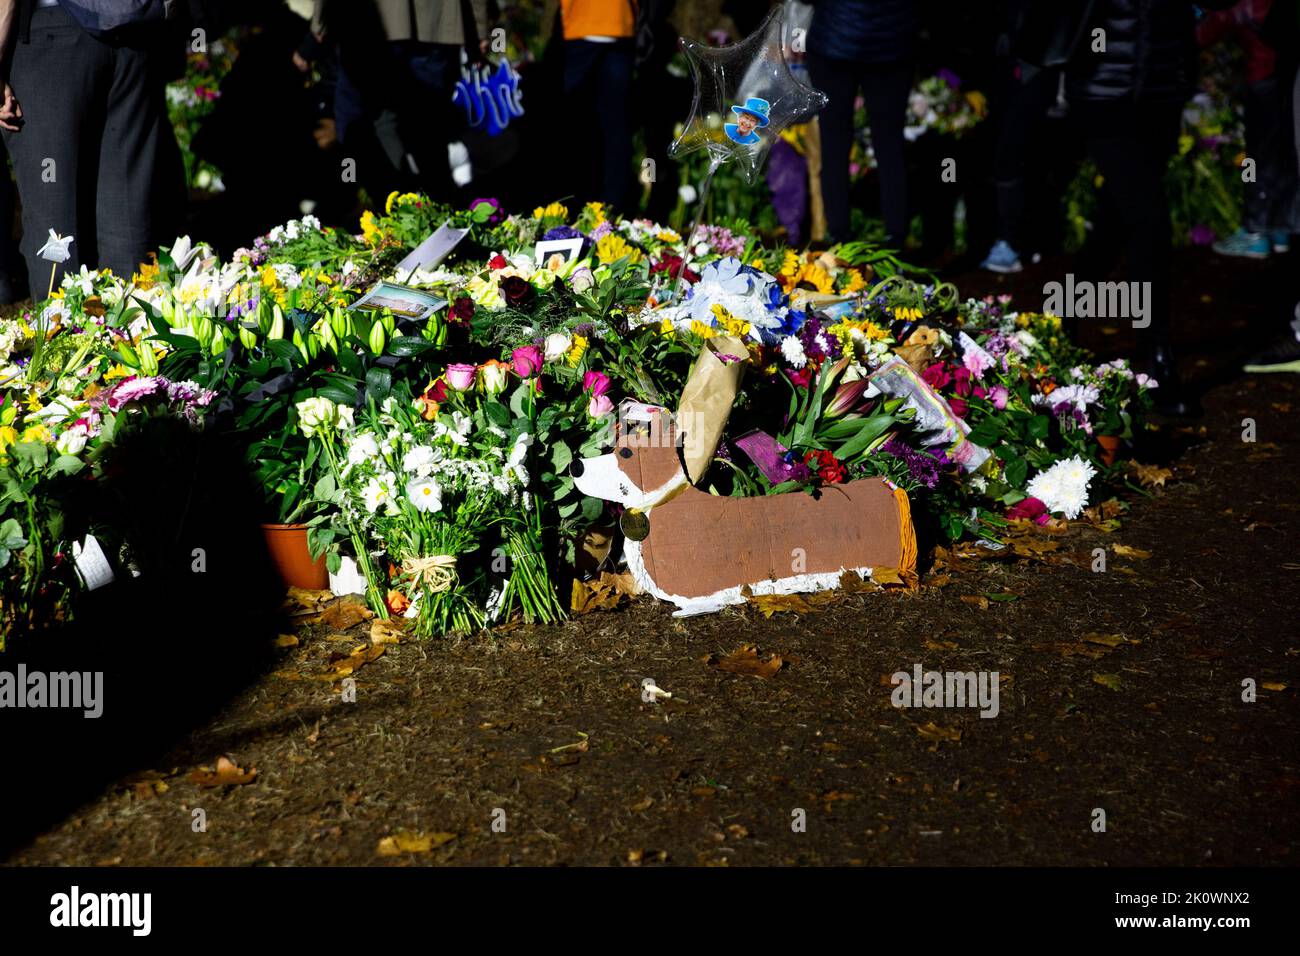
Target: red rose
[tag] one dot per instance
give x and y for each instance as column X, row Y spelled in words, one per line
column 958, row 406
column 517, row 291
column 497, row 262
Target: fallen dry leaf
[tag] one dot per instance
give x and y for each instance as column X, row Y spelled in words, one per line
column 286, row 640
column 603, row 593
column 1108, row 640
column 345, row 614
column 1107, row 680
column 345, row 666
column 1273, row 685
column 226, row 774
column 932, row 731
column 976, row 600
column 386, row 632
column 1124, row 551
column 1149, row 476
column 305, row 601
column 404, row 841
column 745, row 660
column 770, row 604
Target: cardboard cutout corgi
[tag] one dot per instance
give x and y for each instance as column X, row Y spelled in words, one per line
column 699, row 550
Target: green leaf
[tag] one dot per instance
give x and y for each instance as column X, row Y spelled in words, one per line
column 406, row 346
column 561, row 457
column 872, row 428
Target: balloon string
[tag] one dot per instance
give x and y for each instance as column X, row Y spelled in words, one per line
column 714, row 163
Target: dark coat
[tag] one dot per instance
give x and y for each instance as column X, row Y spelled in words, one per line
column 1150, row 48
column 864, row 31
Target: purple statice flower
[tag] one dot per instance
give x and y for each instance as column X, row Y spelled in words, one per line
column 949, row 77
column 923, row 467
column 601, row 231
column 1201, row 235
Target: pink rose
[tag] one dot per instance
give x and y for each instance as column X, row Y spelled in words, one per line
column 528, row 360
column 461, row 377
column 936, row 376
column 599, row 406
column 1030, row 508
column 597, row 383
column 999, row 396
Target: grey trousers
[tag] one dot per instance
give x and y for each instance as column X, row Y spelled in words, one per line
column 85, row 158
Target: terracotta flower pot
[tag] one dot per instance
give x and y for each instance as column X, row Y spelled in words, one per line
column 1109, row 446
column 287, row 546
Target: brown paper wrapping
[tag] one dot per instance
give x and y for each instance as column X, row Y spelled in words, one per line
column 706, row 401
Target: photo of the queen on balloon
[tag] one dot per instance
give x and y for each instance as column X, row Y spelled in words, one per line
column 748, row 117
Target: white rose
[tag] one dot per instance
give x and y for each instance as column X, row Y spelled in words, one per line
column 72, row 441
column 556, row 345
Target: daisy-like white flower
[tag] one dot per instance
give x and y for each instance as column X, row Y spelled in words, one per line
column 425, row 494
column 363, row 448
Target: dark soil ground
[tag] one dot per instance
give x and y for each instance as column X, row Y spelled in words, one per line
column 544, row 730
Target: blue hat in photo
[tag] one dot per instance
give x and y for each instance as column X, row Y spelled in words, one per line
column 756, row 107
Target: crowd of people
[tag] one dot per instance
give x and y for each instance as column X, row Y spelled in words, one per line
column 85, row 125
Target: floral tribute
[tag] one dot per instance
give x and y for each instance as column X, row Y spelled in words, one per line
column 430, row 460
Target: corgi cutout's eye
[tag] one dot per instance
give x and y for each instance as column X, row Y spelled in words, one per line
column 625, row 452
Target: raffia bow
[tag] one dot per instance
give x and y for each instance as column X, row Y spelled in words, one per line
column 436, row 572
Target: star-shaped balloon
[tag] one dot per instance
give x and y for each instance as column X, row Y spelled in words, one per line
column 745, row 95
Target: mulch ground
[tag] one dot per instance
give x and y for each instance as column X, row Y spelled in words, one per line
column 1120, row 691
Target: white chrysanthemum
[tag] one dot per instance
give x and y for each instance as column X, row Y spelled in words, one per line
column 792, row 349
column 1063, row 488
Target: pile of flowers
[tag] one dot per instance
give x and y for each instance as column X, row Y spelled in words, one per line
column 192, row 97
column 937, row 106
column 430, row 457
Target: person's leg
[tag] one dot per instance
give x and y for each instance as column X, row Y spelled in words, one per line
column 1026, row 101
column 128, row 143
column 581, row 130
column 613, row 113
column 839, row 82
column 425, row 114
column 885, row 90
column 47, row 156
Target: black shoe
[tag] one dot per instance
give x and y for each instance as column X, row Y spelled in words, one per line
column 1172, row 400
column 1282, row 356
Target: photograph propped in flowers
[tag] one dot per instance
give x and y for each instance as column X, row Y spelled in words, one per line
column 858, row 433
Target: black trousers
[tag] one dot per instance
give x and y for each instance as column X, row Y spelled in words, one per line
column 1271, row 198
column 1131, row 142
column 885, row 87
column 87, row 158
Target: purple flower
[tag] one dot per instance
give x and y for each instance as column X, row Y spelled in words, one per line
column 923, row 467
column 1201, row 235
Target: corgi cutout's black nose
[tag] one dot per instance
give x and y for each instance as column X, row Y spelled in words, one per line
column 575, row 469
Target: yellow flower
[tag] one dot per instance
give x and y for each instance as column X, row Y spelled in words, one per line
column 147, row 276
column 1185, row 143
column 597, row 210
column 757, row 264
column 38, row 432
column 118, row 371
column 668, row 235
column 790, row 266
column 577, row 349
column 399, row 199
column 8, row 435
column 666, row 328
column 857, row 281
column 612, row 247
column 818, row 277
column 553, row 211
column 729, row 323
column 370, row 231
column 700, row 329
column 34, row 402
column 978, row 103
